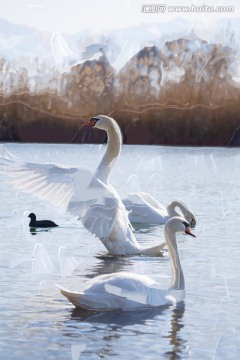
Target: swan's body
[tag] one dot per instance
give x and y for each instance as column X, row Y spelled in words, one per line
column 144, row 209
column 87, row 196
column 129, row 291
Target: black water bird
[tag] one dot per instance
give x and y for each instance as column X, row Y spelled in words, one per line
column 34, row 223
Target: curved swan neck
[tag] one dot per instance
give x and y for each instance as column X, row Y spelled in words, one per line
column 112, row 152
column 172, row 211
column 178, row 282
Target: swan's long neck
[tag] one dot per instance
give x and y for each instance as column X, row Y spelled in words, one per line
column 178, row 282
column 112, row 152
column 172, row 211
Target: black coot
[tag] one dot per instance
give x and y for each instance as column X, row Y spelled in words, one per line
column 40, row 223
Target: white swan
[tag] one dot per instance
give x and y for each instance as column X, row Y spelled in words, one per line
column 129, row 291
column 88, row 196
column 143, row 208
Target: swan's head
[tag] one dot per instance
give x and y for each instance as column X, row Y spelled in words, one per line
column 184, row 209
column 178, row 224
column 192, row 223
column 32, row 216
column 100, row 122
column 188, row 215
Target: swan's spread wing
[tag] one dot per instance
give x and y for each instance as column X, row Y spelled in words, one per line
column 72, row 188
column 101, row 215
column 49, row 182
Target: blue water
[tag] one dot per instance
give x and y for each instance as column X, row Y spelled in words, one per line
column 37, row 322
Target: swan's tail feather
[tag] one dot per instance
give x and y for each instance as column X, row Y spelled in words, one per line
column 73, row 296
column 78, row 299
column 154, row 251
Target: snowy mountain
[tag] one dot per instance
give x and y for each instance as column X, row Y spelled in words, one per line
column 17, row 41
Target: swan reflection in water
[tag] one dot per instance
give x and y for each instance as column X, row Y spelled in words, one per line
column 108, row 264
column 119, row 325
column 177, row 344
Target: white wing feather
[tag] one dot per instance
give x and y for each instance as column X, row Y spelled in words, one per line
column 74, row 189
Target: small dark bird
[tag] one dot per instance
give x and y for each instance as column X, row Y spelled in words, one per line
column 41, row 223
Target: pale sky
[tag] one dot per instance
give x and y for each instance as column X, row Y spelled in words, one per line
column 72, row 16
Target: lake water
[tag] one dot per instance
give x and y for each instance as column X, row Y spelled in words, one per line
column 37, row 322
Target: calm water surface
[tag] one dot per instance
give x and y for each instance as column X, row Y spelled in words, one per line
column 37, row 322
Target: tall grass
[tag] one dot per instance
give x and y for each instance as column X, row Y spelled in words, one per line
column 173, row 96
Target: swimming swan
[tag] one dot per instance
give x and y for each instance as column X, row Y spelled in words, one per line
column 144, row 209
column 129, row 291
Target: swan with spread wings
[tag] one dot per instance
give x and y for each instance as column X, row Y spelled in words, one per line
column 88, row 196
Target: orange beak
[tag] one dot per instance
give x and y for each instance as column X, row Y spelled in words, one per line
column 91, row 122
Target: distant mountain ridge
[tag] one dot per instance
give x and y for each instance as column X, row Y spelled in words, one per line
column 119, row 45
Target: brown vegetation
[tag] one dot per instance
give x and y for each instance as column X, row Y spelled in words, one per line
column 181, row 94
